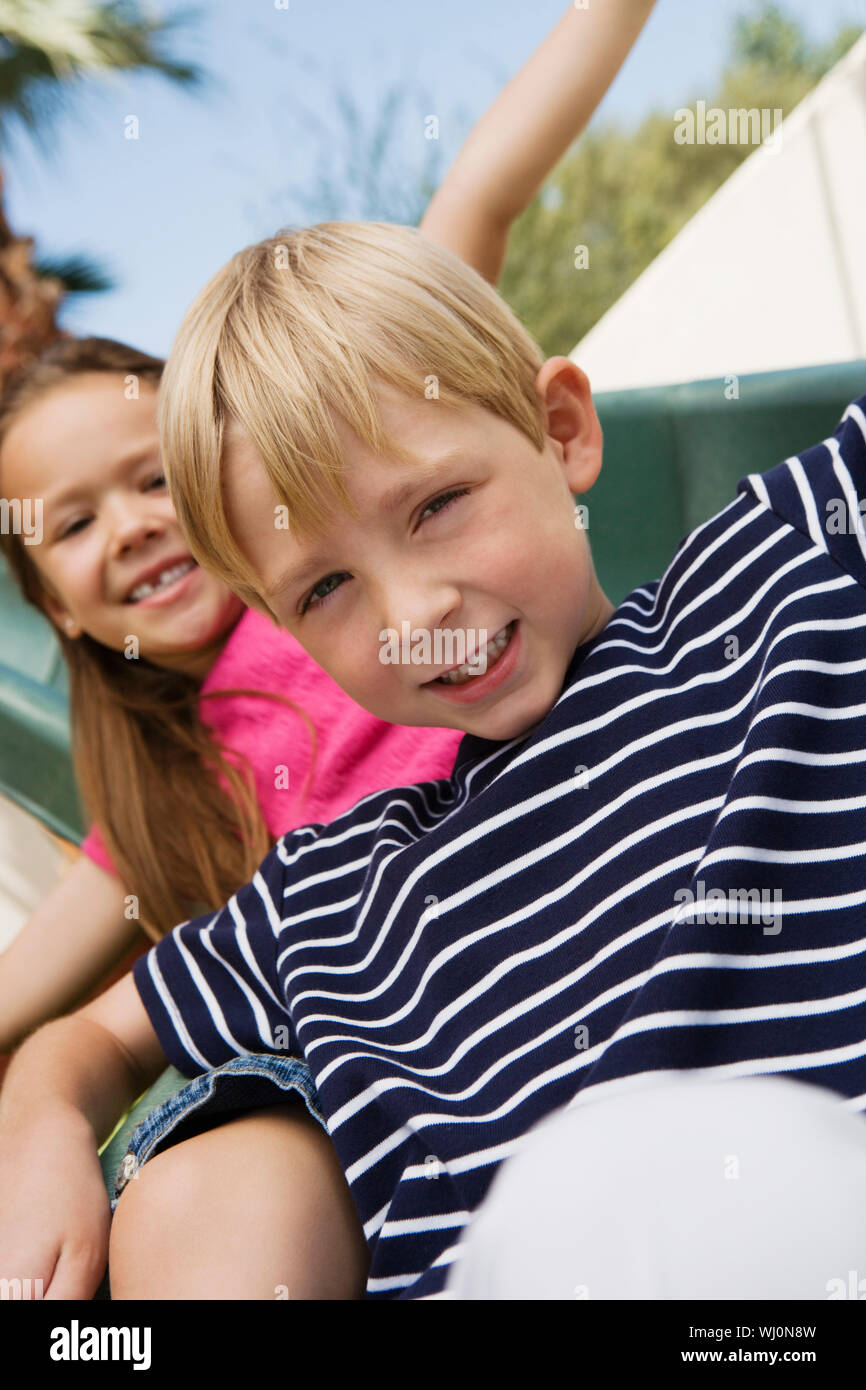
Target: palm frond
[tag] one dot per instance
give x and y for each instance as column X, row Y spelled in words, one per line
column 78, row 36
column 48, row 46
column 78, row 274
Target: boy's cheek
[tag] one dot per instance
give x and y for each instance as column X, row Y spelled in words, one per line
column 355, row 671
column 377, row 691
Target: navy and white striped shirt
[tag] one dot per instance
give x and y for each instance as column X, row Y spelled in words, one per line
column 668, row 873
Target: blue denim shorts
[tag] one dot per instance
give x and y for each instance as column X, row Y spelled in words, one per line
column 243, row 1083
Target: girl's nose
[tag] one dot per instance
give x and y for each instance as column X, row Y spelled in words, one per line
column 131, row 525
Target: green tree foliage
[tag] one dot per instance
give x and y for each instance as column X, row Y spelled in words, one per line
column 625, row 194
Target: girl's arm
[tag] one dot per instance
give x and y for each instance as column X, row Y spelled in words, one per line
column 76, row 936
column 61, row 1096
column 528, row 128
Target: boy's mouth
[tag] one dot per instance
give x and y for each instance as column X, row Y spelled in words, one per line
column 467, row 682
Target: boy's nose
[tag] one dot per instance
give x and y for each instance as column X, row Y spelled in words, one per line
column 425, row 607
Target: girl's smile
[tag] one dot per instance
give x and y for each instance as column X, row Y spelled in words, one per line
column 163, row 582
column 112, row 561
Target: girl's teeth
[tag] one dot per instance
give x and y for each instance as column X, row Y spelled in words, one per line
column 167, row 577
column 494, row 650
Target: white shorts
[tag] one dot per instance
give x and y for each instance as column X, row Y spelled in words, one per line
column 686, row 1189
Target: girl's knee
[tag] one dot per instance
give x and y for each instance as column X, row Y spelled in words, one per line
column 168, row 1192
column 257, row 1202
column 158, row 1202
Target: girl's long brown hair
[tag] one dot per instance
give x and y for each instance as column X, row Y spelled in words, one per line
column 145, row 762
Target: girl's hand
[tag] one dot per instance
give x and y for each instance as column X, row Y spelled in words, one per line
column 54, row 1210
column 64, row 1090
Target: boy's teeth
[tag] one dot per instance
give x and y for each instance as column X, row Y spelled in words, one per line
column 495, row 647
column 166, row 577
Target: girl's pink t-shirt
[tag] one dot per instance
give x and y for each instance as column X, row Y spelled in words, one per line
column 356, row 753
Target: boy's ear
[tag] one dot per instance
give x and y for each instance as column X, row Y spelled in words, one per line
column 571, row 421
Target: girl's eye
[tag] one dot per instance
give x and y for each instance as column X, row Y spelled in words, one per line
column 71, row 530
column 157, row 481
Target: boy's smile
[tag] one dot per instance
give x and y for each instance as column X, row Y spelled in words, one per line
column 481, row 541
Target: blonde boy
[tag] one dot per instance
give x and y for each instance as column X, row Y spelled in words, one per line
column 628, row 872
column 584, row 903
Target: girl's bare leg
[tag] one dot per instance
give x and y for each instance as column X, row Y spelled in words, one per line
column 257, row 1208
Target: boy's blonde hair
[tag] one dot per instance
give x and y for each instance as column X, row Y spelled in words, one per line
column 301, row 328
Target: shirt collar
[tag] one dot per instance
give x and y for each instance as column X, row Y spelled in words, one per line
column 472, row 748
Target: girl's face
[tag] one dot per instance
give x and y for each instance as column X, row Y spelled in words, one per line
column 481, row 537
column 112, row 558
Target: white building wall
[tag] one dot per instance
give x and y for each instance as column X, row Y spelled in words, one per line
column 770, row 273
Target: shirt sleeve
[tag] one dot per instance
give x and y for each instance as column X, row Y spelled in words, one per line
column 94, row 847
column 210, row 986
column 822, row 491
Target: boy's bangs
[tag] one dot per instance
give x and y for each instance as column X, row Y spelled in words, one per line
column 296, row 335
column 288, row 398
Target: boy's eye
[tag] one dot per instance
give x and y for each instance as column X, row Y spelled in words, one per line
column 447, row 497
column 313, row 600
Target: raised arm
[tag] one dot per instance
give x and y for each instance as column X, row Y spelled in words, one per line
column 528, row 128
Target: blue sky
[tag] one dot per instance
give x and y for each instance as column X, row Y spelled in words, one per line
column 214, row 171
